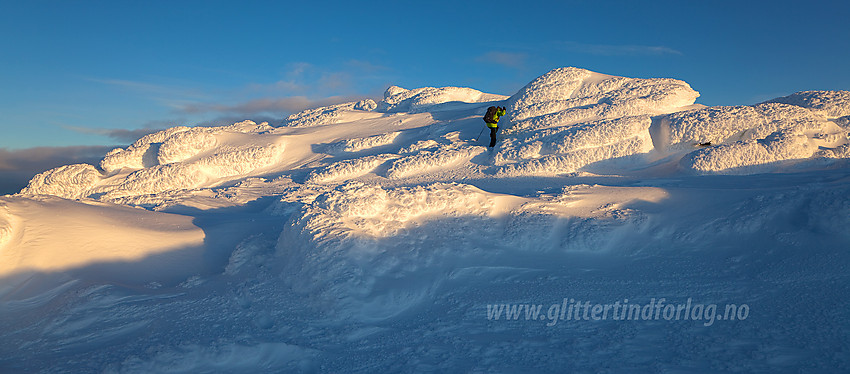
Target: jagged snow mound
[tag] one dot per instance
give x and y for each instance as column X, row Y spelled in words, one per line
column 173, row 145
column 571, row 95
column 732, row 123
column 397, row 99
column 69, row 181
column 329, row 114
column 570, row 118
column 142, row 153
column 569, row 149
column 830, row 104
column 348, row 241
column 226, row 163
column 424, row 161
column 170, row 160
column 348, row 169
column 751, row 156
column 762, row 137
column 364, row 143
column 351, row 235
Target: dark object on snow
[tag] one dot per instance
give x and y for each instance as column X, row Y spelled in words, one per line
column 706, row 144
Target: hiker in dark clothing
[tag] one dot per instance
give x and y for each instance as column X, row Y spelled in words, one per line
column 492, row 121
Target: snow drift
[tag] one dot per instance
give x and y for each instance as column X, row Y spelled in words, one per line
column 570, row 118
column 170, row 160
column 375, row 236
column 568, row 96
column 397, row 99
column 759, row 138
column 329, row 114
column 357, row 239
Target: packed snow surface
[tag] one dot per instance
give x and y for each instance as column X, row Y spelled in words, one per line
column 387, row 237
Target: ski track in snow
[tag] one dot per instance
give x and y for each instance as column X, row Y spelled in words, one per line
column 374, row 236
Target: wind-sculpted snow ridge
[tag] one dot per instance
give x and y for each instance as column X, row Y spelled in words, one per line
column 567, row 120
column 830, row 104
column 226, row 163
column 397, row 99
column 172, row 145
column 751, row 156
column 141, row 153
column 721, row 124
column 570, row 118
column 425, row 161
column 359, row 239
column 69, row 181
column 571, row 95
column 170, row 160
column 328, row 114
column 348, row 169
column 360, row 144
column 568, row 149
column 763, row 137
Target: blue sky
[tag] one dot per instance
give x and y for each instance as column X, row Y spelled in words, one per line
column 95, row 73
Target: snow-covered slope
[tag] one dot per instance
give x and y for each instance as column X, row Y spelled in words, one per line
column 380, row 236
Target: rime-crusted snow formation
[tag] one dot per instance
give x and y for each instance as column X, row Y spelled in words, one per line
column 342, row 231
column 425, row 161
column 360, row 144
column 751, row 156
column 348, row 169
column 760, row 138
column 173, row 145
column 142, row 153
column 328, row 114
column 569, row 118
column 627, row 144
column 397, row 99
column 830, row 104
column 69, row 181
column 370, row 210
column 357, row 233
column 571, row 95
column 568, row 149
column 174, row 159
column 226, row 162
column 732, row 123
